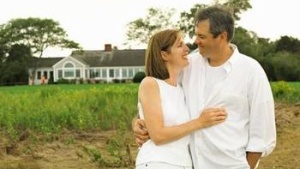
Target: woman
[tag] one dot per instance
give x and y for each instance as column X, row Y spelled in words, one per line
column 162, row 105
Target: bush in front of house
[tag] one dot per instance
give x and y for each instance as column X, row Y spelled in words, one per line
column 138, row 77
column 118, row 80
column 63, row 81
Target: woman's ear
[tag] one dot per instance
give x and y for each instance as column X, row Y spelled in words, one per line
column 164, row 55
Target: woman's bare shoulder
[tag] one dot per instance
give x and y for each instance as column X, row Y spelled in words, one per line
column 148, row 83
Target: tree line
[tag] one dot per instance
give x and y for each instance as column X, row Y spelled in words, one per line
column 280, row 58
column 24, row 40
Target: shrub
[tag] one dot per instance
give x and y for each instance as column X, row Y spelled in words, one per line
column 282, row 90
column 63, row 81
column 138, row 77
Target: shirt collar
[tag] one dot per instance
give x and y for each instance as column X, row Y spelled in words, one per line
column 232, row 60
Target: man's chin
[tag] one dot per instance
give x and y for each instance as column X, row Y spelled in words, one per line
column 202, row 54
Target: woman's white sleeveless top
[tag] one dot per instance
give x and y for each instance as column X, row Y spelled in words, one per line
column 175, row 112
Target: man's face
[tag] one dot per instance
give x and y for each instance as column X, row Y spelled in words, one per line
column 207, row 44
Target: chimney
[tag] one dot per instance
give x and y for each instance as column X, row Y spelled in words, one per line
column 107, row 48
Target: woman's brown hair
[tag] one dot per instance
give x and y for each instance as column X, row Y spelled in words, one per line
column 161, row 41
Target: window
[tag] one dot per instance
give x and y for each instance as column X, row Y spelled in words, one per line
column 124, row 72
column 142, row 69
column 104, row 74
column 59, row 74
column 111, row 72
column 136, row 70
column 130, row 72
column 117, row 71
column 77, row 72
column 45, row 74
column 68, row 65
column 92, row 73
column 98, row 73
column 69, row 71
column 39, row 75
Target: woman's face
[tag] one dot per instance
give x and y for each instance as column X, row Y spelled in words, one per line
column 177, row 57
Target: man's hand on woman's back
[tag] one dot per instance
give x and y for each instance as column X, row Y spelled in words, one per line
column 140, row 132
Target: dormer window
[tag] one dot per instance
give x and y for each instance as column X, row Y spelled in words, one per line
column 69, row 65
column 69, row 71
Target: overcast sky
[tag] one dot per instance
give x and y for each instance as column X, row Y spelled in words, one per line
column 93, row 23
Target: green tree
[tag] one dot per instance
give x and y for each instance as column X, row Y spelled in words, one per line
column 186, row 21
column 238, row 6
column 246, row 41
column 14, row 69
column 3, row 46
column 38, row 34
column 286, row 66
column 261, row 49
column 2, row 54
column 140, row 30
column 289, row 44
column 17, row 64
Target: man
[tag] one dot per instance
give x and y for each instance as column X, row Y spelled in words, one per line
column 222, row 77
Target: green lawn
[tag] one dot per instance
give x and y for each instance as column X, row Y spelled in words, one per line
column 65, row 87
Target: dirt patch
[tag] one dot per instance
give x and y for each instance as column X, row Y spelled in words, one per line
column 89, row 150
column 67, row 151
column 287, row 152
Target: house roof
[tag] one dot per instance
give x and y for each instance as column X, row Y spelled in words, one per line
column 99, row 58
column 45, row 62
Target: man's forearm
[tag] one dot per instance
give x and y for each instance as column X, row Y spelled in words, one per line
column 253, row 158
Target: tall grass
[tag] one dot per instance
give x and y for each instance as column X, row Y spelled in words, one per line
column 288, row 92
column 50, row 109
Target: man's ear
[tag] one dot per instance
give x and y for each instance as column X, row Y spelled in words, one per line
column 223, row 35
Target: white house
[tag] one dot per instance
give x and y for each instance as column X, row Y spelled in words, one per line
column 100, row 65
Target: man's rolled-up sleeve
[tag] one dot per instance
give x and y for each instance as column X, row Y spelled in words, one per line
column 262, row 130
